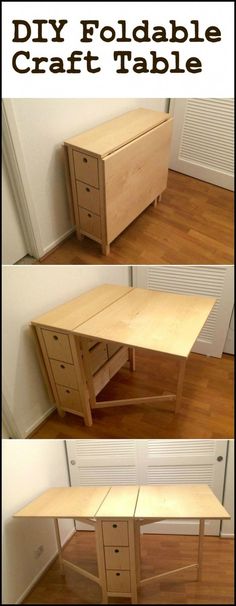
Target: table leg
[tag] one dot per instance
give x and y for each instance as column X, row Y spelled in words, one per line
column 58, row 539
column 82, row 386
column 88, row 373
column 200, row 549
column 101, row 560
column 132, row 358
column 137, row 551
column 180, row 384
column 133, row 561
column 106, row 249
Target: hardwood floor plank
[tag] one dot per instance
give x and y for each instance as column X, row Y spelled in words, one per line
column 158, row 554
column 206, row 409
column 192, row 224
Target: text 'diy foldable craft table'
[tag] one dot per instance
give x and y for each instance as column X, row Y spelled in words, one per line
column 117, row 513
column 84, row 342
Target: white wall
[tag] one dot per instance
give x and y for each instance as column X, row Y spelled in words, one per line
column 38, row 129
column 29, row 468
column 227, row 528
column 13, row 245
column 29, row 291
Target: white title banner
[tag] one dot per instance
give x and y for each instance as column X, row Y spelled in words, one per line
column 117, row 49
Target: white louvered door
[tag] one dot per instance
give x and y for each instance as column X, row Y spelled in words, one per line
column 108, row 462
column 102, row 463
column 209, row 280
column 203, row 139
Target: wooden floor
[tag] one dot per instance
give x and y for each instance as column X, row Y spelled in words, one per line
column 206, row 411
column 192, row 224
column 159, row 553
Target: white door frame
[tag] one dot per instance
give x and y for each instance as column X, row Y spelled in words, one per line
column 14, row 159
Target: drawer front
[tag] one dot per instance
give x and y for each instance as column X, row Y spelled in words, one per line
column 98, row 356
column 115, row 533
column 88, row 197
column 57, row 345
column 86, row 168
column 101, row 378
column 118, row 360
column 64, row 374
column 117, row 558
column 90, row 223
column 118, row 581
column 112, row 348
column 69, row 399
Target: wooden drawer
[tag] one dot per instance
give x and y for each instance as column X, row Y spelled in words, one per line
column 98, row 356
column 57, row 345
column 86, row 168
column 112, row 348
column 117, row 558
column 70, row 399
column 118, row 581
column 88, row 197
column 101, row 378
column 115, row 533
column 118, row 360
column 90, row 223
column 64, row 374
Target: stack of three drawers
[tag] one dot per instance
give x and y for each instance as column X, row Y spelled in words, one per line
column 117, row 556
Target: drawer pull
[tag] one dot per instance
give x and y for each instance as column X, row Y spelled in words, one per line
column 62, row 366
column 55, row 337
column 67, row 391
column 87, row 189
column 85, row 160
column 89, row 215
column 118, row 574
column 116, row 550
column 114, row 525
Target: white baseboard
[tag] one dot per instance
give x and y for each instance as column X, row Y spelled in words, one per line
column 42, row 571
column 227, row 535
column 58, row 240
column 39, row 421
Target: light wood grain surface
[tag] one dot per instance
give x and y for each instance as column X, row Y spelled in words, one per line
column 119, row 502
column 162, row 322
column 71, row 502
column 135, row 176
column 71, row 314
column 112, row 135
column 163, row 501
column 186, row 501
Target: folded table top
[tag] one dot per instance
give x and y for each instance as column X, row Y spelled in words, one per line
column 110, row 136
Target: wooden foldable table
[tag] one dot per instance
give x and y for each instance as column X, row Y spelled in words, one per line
column 84, row 342
column 117, row 513
column 115, row 171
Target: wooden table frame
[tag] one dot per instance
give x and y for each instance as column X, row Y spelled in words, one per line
column 117, row 510
column 164, row 323
column 136, row 580
column 92, row 402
